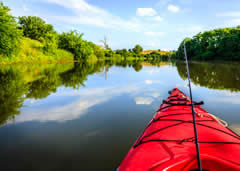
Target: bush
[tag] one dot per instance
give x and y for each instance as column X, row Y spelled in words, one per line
column 85, row 51
column 98, row 52
column 137, row 49
column 35, row 27
column 50, row 43
column 9, row 34
column 71, row 42
column 81, row 49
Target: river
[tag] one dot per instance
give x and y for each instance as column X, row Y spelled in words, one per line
column 86, row 116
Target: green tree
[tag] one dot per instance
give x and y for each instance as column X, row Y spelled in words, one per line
column 98, row 52
column 214, row 44
column 85, row 50
column 9, row 34
column 35, row 27
column 137, row 49
column 71, row 41
column 50, row 43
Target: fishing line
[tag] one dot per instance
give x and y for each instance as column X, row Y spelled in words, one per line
column 193, row 112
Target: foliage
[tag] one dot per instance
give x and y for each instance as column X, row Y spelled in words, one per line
column 137, row 66
column 11, row 94
column 223, row 44
column 137, row 52
column 85, row 50
column 50, row 43
column 21, row 82
column 9, row 34
column 35, row 27
column 33, row 51
column 212, row 75
column 70, row 41
column 137, row 49
column 42, row 43
column 98, row 52
column 82, row 49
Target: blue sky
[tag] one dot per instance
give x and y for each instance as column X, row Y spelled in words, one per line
column 154, row 24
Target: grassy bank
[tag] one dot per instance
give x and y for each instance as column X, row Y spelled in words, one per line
column 31, row 51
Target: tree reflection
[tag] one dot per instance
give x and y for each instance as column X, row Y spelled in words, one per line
column 11, row 94
column 21, row 82
column 222, row 76
column 78, row 74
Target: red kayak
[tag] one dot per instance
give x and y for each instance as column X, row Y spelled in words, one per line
column 168, row 141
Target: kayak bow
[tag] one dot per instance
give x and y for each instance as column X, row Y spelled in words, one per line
column 168, row 141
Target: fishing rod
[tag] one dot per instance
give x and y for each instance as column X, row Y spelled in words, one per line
column 193, row 112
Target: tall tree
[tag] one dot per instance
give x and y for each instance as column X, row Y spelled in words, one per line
column 35, row 27
column 137, row 49
column 9, row 34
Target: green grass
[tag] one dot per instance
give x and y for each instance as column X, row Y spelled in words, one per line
column 31, row 51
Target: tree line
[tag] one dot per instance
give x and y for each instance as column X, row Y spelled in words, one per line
column 218, row 44
column 13, row 30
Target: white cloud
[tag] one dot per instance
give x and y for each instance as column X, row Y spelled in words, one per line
column 148, row 81
column 143, row 100
column 143, row 12
column 232, row 22
column 173, row 8
column 88, row 14
column 25, row 8
column 229, row 14
column 157, row 18
column 155, row 34
column 233, row 18
column 152, row 44
column 166, row 49
column 190, row 29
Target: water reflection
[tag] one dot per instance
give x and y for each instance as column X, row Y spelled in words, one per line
column 217, row 75
column 75, row 107
column 12, row 94
column 20, row 83
column 69, row 116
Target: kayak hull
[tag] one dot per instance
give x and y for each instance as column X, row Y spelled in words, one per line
column 168, row 142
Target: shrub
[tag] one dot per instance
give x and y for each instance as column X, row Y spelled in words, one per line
column 35, row 27
column 9, row 34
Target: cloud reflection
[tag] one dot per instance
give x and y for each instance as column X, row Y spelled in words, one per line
column 143, row 100
column 152, row 81
column 228, row 97
column 87, row 98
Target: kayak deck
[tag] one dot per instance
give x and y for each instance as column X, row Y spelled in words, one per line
column 168, row 141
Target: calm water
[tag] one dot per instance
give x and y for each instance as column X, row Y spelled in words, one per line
column 86, row 116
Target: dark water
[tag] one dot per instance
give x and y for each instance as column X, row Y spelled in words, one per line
column 86, row 116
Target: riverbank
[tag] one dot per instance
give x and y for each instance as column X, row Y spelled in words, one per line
column 31, row 51
column 217, row 44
